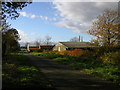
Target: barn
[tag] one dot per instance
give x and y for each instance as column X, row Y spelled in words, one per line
column 63, row 46
column 46, row 47
column 31, row 47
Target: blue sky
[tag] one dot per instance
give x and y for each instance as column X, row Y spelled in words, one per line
column 60, row 20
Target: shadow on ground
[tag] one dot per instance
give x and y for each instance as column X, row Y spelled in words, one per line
column 66, row 78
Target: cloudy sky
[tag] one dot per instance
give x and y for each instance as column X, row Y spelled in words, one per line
column 60, row 20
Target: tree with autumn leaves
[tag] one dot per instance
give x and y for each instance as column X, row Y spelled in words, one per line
column 106, row 28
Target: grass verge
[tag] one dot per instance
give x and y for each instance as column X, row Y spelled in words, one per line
column 19, row 72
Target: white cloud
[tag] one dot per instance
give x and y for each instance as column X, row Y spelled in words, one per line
column 45, row 18
column 78, row 16
column 26, row 37
column 24, row 14
column 23, row 36
column 33, row 16
column 53, row 19
column 75, row 27
column 85, row 0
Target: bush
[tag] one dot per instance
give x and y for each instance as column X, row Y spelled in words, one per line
column 76, row 52
column 111, row 58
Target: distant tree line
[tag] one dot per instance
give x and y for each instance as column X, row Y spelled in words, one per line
column 77, row 39
column 45, row 41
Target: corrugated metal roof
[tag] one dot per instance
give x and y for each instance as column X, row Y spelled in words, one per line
column 77, row 44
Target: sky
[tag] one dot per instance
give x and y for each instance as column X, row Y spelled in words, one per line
column 59, row 20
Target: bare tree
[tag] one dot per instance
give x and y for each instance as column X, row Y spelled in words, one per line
column 37, row 43
column 77, row 39
column 41, row 41
column 48, row 40
column 74, row 39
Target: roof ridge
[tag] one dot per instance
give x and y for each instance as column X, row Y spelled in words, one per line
column 76, row 44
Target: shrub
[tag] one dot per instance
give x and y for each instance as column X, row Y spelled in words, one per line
column 111, row 58
column 76, row 52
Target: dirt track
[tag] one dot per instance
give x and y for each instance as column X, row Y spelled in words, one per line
column 66, row 78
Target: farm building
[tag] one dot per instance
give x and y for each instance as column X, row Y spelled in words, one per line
column 63, row 46
column 33, row 47
column 46, row 47
column 39, row 47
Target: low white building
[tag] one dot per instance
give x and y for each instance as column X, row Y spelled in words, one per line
column 63, row 46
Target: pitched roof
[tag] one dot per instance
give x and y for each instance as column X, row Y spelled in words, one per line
column 77, row 44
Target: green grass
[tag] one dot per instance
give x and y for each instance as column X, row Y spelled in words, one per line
column 36, row 53
column 94, row 67
column 25, row 50
column 48, row 55
column 106, row 72
column 18, row 72
column 61, row 58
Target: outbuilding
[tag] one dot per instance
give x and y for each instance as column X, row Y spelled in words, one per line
column 32, row 47
column 63, row 46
